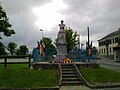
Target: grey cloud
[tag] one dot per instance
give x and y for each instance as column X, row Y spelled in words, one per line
column 21, row 6
column 101, row 15
column 22, row 20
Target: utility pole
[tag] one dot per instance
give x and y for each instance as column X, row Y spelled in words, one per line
column 88, row 37
column 88, row 45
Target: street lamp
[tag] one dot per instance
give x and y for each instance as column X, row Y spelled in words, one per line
column 42, row 32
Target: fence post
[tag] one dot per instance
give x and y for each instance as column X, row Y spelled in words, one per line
column 5, row 62
column 29, row 62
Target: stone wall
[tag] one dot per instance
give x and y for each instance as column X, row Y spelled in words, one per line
column 87, row 65
column 38, row 66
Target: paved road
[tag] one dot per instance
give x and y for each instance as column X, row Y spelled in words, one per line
column 74, row 88
column 106, row 89
column 111, row 64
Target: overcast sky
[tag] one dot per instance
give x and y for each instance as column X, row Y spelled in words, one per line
column 29, row 16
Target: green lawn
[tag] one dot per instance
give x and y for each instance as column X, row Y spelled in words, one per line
column 100, row 75
column 18, row 75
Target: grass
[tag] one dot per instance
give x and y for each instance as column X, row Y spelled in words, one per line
column 19, row 75
column 100, row 75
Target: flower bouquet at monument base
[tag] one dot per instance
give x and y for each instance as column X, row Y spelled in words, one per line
column 67, row 60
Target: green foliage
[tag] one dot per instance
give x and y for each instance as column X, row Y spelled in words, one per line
column 23, row 50
column 18, row 75
column 2, row 49
column 100, row 75
column 11, row 47
column 47, row 41
column 17, row 51
column 71, row 39
column 5, row 26
column 48, row 44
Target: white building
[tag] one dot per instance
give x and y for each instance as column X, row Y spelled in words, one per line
column 107, row 43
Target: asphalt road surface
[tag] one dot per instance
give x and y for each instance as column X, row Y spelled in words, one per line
column 111, row 64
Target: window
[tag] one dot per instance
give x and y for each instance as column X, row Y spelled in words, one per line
column 103, row 42
column 116, row 40
column 99, row 43
column 99, row 51
column 104, row 50
column 113, row 40
column 109, row 41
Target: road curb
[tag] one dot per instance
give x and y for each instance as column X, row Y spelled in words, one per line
column 115, row 85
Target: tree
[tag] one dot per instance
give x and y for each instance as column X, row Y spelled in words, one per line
column 5, row 26
column 11, row 47
column 71, row 39
column 2, row 49
column 48, row 44
column 23, row 50
column 17, row 51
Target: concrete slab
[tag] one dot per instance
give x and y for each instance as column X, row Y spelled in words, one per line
column 74, row 88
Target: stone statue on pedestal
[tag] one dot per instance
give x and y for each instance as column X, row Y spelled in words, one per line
column 61, row 44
